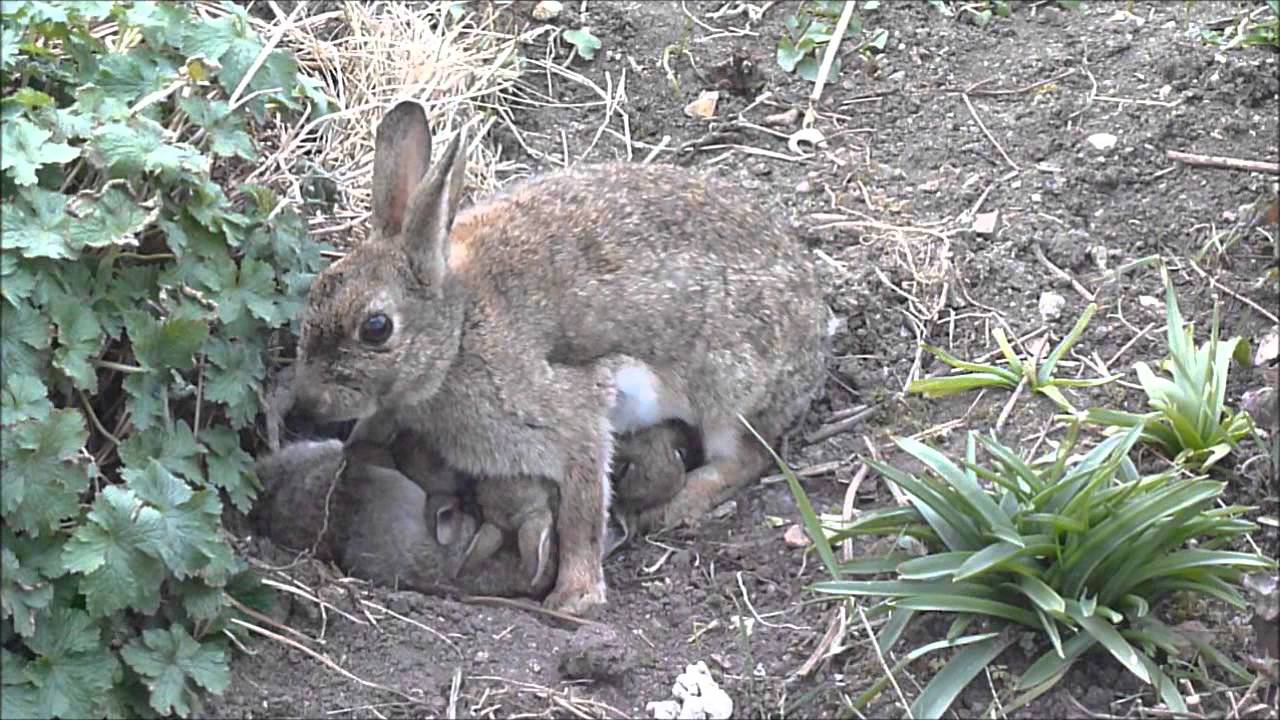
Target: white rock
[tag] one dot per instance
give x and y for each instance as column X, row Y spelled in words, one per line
column 698, row 697
column 664, row 709
column 1268, row 349
column 1099, row 255
column 985, row 223
column 1150, row 302
column 1102, row 141
column 547, row 10
column 1051, row 305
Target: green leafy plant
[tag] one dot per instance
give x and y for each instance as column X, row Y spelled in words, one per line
column 1259, row 27
column 983, row 11
column 1190, row 422
column 137, row 302
column 584, row 43
column 1075, row 547
column 808, row 32
column 1015, row 371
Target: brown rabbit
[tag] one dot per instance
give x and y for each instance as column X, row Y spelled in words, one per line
column 484, row 329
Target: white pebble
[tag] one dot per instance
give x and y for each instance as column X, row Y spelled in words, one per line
column 1051, row 304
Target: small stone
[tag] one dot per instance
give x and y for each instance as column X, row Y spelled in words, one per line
column 547, row 10
column 785, row 118
column 985, row 223
column 1099, row 255
column 804, row 187
column 725, row 510
column 1102, row 141
column 1268, row 349
column 596, row 653
column 1051, row 305
column 1150, row 302
column 795, row 536
column 704, row 107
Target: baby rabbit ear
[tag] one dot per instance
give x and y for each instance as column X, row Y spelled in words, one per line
column 401, row 156
column 432, row 209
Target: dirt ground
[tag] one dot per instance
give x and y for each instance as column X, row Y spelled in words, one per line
column 886, row 203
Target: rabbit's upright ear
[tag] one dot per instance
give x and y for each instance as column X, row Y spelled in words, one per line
column 401, row 156
column 431, row 212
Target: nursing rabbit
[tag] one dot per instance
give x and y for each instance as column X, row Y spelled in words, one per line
column 484, row 328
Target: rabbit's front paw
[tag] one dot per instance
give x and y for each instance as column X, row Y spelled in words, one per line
column 576, row 594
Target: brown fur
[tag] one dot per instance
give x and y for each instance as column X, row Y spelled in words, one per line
column 497, row 358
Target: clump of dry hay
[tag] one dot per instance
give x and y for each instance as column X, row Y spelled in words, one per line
column 366, row 56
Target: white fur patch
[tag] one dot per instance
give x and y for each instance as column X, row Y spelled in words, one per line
column 637, row 404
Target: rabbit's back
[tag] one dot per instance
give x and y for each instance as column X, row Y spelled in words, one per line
column 654, row 261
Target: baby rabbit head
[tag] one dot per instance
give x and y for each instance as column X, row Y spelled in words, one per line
column 383, row 324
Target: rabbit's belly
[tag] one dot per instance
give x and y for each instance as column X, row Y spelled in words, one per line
column 637, row 402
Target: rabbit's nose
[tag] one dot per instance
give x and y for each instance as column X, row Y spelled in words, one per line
column 306, row 419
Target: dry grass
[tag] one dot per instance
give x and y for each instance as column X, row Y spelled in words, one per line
column 367, row 55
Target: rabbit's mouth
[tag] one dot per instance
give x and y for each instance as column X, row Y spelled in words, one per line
column 332, row 404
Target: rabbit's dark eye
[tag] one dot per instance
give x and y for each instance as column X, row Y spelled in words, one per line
column 376, row 329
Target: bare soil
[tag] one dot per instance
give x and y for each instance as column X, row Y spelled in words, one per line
column 884, row 201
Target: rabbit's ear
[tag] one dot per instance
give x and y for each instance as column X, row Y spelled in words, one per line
column 431, row 212
column 401, row 156
column 449, row 521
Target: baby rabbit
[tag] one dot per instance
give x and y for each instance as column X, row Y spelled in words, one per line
column 376, row 525
column 522, row 509
column 484, row 329
column 650, row 472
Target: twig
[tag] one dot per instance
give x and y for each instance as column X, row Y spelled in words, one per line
column 269, row 621
column 455, row 688
column 1223, row 162
column 495, row 601
column 313, row 598
column 747, row 599
column 830, row 644
column 267, row 49
column 93, row 417
column 842, row 426
column 973, row 211
column 880, row 655
column 1139, row 101
column 1008, row 406
column 987, row 132
column 411, row 621
column 1268, row 315
column 846, row 511
column 1059, row 272
column 811, row 471
column 829, row 54
column 1021, row 90
column 323, row 659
